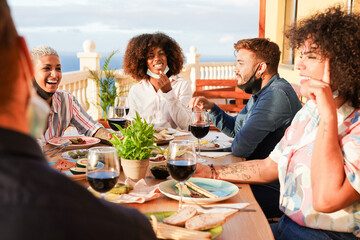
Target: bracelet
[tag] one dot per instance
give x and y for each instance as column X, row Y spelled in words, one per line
column 214, row 174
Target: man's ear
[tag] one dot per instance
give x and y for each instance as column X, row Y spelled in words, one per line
column 262, row 68
column 24, row 50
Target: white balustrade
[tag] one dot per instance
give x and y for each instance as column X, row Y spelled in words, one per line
column 86, row 91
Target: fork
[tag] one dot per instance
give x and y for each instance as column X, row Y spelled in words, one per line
column 64, row 146
column 223, row 206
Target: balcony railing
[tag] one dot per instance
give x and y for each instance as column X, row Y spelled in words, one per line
column 86, row 91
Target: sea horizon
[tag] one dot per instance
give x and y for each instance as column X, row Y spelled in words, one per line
column 70, row 62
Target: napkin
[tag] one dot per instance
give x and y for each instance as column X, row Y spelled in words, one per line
column 220, row 210
column 140, row 194
column 181, row 133
column 214, row 154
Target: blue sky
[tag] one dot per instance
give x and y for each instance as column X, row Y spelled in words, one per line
column 212, row 26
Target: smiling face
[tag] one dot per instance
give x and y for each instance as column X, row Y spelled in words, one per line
column 311, row 66
column 246, row 64
column 156, row 60
column 48, row 72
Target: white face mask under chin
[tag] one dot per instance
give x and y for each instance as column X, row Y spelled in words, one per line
column 153, row 75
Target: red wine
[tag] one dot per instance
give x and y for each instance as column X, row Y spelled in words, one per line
column 120, row 121
column 200, row 131
column 181, row 170
column 102, row 181
column 121, row 111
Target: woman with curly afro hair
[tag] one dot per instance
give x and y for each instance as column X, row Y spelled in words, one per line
column 317, row 162
column 160, row 96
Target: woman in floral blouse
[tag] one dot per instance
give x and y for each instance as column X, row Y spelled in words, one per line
column 318, row 160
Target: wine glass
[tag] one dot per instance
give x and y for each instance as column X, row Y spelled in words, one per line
column 200, row 126
column 105, row 178
column 120, row 109
column 181, row 162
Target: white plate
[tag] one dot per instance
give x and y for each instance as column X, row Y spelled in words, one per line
column 167, row 131
column 89, row 141
column 66, row 155
column 223, row 189
column 167, row 139
column 223, row 146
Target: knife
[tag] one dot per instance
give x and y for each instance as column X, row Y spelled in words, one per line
column 63, row 146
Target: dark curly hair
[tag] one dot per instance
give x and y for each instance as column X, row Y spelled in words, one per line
column 264, row 49
column 137, row 51
column 337, row 36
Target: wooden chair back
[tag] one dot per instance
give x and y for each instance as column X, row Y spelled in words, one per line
column 225, row 89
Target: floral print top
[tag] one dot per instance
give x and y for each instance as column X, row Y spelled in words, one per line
column 293, row 156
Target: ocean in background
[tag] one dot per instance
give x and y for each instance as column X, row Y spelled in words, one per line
column 70, row 62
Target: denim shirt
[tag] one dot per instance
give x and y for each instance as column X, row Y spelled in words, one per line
column 262, row 122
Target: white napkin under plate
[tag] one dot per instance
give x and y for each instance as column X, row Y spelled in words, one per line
column 181, row 133
column 140, row 194
column 214, row 154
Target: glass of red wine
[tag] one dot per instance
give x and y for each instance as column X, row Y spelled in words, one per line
column 199, row 127
column 181, row 162
column 121, row 109
column 104, row 179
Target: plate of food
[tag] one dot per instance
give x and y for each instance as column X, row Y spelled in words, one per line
column 75, row 154
column 75, row 169
column 75, row 142
column 167, row 131
column 213, row 146
column 162, row 138
column 219, row 190
column 177, row 225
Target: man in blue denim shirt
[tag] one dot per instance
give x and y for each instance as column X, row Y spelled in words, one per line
column 264, row 119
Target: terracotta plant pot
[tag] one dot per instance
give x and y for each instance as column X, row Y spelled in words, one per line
column 135, row 169
column 103, row 122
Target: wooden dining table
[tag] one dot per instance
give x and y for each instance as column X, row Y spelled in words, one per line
column 241, row 225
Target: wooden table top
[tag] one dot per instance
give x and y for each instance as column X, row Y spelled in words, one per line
column 242, row 225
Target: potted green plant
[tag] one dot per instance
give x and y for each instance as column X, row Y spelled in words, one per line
column 135, row 147
column 105, row 80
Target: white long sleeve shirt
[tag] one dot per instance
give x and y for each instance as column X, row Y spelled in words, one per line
column 162, row 109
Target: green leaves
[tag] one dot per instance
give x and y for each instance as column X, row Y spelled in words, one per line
column 107, row 93
column 138, row 140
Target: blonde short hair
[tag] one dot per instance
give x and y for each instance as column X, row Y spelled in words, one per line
column 40, row 51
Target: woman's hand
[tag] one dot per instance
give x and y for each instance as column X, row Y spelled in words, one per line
column 201, row 103
column 203, row 171
column 320, row 91
column 164, row 83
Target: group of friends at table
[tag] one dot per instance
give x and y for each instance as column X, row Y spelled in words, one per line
column 302, row 162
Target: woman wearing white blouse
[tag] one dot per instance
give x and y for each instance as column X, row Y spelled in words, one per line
column 160, row 96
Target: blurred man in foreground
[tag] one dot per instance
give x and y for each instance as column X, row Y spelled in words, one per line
column 36, row 202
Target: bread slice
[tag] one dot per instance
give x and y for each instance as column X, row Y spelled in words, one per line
column 206, row 221
column 180, row 217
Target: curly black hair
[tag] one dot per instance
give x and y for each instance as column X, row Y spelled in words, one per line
column 337, row 37
column 137, row 51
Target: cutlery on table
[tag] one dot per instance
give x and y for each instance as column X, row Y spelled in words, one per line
column 63, row 146
column 59, row 146
column 223, row 206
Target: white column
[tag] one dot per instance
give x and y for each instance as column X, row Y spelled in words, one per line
column 193, row 58
column 91, row 60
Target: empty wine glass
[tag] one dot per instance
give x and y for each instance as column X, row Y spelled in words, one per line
column 200, row 126
column 120, row 110
column 121, row 107
column 105, row 178
column 181, row 162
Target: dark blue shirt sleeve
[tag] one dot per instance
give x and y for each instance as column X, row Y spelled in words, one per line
column 269, row 112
